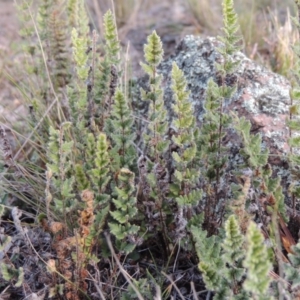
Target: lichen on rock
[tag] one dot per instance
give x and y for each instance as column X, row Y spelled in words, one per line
column 262, row 96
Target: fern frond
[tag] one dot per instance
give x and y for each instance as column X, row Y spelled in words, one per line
column 252, row 150
column 257, row 263
column 100, row 174
column 153, row 52
column 291, row 269
column 78, row 18
column 44, row 12
column 80, row 56
column 81, row 179
column 233, row 241
column 111, row 37
column 210, row 276
column 157, row 112
column 186, row 176
column 230, row 28
column 126, row 210
column 119, row 128
column 59, row 45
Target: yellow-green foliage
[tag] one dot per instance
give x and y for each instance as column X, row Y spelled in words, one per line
column 185, row 175
column 257, row 264
column 157, row 113
column 100, row 173
column 126, row 210
column 111, row 37
column 293, row 123
column 59, row 166
column 78, row 18
column 80, row 102
column 212, row 154
column 177, row 205
column 9, row 273
column 79, row 54
column 119, row 128
column 230, row 39
column 59, row 48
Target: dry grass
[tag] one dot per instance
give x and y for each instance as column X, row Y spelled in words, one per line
column 206, row 13
column 125, row 11
column 265, row 26
column 282, row 37
column 260, row 32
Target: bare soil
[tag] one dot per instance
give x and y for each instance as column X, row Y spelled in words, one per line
column 9, row 101
column 170, row 19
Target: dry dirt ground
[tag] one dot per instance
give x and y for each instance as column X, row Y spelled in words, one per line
column 9, row 101
column 170, row 18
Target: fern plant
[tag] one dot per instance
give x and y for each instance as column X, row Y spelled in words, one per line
column 125, row 203
column 157, row 113
column 227, row 270
column 291, row 271
column 185, row 175
column 257, row 264
column 59, row 48
column 215, row 120
column 105, row 73
column 156, row 135
column 78, row 18
column 232, row 245
column 91, row 185
column 293, row 122
column 100, row 173
column 120, row 126
column 78, row 103
column 111, row 38
column 59, row 170
column 227, row 279
column 257, row 158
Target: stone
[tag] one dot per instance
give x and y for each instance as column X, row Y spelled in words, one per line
column 262, row 96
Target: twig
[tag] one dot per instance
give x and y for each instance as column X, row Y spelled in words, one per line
column 177, row 255
column 174, row 285
column 158, row 293
column 195, row 296
column 208, row 295
column 124, row 273
column 97, row 285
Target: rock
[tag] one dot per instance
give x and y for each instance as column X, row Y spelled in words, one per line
column 262, row 96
